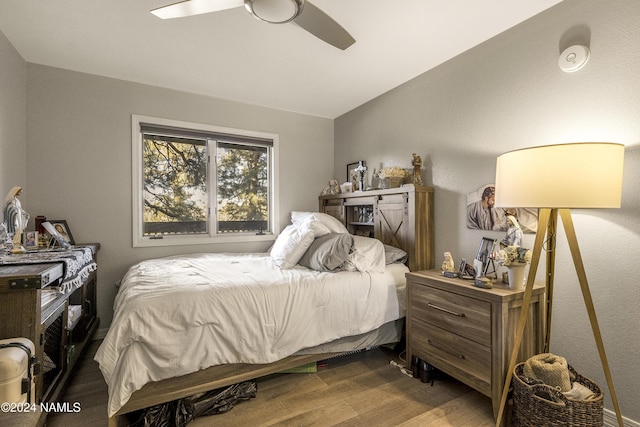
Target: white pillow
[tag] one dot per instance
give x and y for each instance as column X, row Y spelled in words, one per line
column 320, row 223
column 367, row 255
column 290, row 245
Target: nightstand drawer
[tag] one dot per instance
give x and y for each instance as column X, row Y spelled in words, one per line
column 458, row 356
column 465, row 316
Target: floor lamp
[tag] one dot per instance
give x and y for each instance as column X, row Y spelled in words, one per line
column 555, row 179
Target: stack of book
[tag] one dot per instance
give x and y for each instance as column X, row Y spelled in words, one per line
column 48, row 296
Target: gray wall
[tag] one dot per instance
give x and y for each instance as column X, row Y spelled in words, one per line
column 73, row 155
column 509, row 93
column 79, row 159
column 13, row 108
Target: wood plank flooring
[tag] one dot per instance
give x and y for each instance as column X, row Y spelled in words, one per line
column 361, row 389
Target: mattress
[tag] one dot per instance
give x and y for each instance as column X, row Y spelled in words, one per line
column 181, row 314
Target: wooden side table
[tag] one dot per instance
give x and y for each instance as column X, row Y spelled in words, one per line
column 59, row 324
column 467, row 331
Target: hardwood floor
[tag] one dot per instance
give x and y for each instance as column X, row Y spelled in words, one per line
column 354, row 390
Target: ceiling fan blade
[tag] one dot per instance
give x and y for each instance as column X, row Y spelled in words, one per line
column 324, row 27
column 194, row 7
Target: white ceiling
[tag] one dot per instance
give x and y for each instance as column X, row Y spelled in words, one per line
column 233, row 56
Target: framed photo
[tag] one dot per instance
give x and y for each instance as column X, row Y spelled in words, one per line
column 352, row 175
column 486, row 248
column 63, row 229
column 462, row 270
column 484, row 198
column 31, row 240
column 466, row 271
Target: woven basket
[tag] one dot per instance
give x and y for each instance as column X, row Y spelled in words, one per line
column 540, row 405
column 391, row 182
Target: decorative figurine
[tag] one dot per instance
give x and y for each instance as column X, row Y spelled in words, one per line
column 448, row 264
column 417, row 165
column 514, row 233
column 15, row 218
column 331, row 189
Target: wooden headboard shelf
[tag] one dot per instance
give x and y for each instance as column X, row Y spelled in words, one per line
column 400, row 217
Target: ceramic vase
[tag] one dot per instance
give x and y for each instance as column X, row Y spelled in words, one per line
column 516, row 276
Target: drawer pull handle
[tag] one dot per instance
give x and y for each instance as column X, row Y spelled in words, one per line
column 459, row 356
column 445, row 310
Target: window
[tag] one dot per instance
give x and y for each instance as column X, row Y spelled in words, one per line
column 201, row 184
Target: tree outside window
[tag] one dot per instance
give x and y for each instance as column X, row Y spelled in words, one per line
column 175, row 186
column 243, row 188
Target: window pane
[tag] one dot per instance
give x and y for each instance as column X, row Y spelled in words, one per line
column 175, row 185
column 243, row 188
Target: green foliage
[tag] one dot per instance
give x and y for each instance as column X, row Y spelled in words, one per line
column 175, row 180
column 242, row 183
column 175, row 185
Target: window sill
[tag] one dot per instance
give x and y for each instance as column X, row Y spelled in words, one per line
column 147, row 242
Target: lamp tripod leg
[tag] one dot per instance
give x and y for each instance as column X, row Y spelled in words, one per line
column 551, row 263
column 543, row 221
column 567, row 221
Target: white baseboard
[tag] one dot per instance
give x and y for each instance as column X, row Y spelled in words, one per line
column 610, row 420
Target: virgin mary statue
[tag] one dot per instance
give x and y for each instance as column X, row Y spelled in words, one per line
column 15, row 218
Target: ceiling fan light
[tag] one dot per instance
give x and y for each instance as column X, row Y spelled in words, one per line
column 274, row 11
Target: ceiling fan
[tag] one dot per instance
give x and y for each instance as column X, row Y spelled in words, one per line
column 300, row 12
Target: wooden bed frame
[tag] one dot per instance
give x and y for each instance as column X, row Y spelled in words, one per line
column 218, row 376
column 163, row 391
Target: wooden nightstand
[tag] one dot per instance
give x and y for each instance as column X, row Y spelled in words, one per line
column 467, row 332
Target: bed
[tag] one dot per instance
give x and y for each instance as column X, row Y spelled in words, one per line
column 191, row 323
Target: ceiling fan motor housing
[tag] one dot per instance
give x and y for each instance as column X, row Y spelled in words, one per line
column 274, row 11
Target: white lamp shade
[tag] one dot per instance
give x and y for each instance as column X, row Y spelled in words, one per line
column 579, row 175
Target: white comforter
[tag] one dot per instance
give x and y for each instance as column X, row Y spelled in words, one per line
column 180, row 314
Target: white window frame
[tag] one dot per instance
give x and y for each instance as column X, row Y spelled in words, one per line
column 139, row 240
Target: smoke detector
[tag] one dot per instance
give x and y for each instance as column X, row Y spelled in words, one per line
column 573, row 58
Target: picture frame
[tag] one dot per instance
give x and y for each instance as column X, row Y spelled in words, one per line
column 31, row 240
column 466, row 271
column 62, row 227
column 483, row 198
column 486, row 248
column 352, row 176
column 462, row 269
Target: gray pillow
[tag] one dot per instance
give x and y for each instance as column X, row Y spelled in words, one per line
column 393, row 254
column 328, row 252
